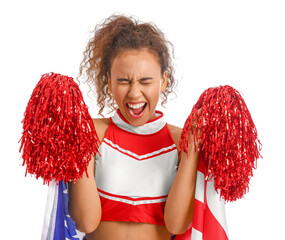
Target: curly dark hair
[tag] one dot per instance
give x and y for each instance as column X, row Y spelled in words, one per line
column 113, row 35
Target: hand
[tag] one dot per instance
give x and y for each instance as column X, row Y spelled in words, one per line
column 194, row 142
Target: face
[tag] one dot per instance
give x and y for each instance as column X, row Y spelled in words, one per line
column 136, row 83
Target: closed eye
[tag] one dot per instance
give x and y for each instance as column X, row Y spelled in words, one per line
column 146, row 80
column 123, row 80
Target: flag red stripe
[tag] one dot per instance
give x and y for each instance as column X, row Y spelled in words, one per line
column 198, row 215
column 212, row 228
column 184, row 236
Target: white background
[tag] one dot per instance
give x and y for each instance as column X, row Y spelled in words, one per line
column 239, row 43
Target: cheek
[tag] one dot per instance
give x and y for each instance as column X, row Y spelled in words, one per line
column 153, row 93
column 119, row 93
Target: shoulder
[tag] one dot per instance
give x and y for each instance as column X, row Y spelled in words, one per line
column 101, row 125
column 175, row 133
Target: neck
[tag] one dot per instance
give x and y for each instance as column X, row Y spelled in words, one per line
column 152, row 126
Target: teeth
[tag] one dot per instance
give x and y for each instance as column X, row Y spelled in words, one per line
column 135, row 106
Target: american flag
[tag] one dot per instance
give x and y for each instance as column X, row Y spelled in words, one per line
column 209, row 220
column 57, row 223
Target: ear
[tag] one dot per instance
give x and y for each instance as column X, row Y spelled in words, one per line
column 163, row 81
column 109, row 83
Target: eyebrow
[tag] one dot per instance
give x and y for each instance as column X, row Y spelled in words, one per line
column 146, row 78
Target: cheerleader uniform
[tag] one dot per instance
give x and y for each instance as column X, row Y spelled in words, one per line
column 135, row 170
column 134, row 174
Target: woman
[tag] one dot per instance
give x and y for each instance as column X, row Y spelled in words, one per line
column 140, row 187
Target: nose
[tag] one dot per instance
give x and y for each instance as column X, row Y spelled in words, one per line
column 134, row 91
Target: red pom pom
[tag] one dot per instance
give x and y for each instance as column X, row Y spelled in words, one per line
column 58, row 136
column 228, row 140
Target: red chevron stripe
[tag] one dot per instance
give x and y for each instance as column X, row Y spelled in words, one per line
column 140, row 159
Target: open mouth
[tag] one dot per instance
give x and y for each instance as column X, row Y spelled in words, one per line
column 136, row 110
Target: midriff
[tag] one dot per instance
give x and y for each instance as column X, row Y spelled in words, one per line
column 109, row 230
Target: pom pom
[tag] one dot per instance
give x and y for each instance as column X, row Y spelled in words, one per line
column 229, row 145
column 58, row 136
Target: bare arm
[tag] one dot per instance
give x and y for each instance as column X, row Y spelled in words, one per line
column 84, row 201
column 180, row 202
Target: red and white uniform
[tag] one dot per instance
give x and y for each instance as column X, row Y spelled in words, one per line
column 136, row 170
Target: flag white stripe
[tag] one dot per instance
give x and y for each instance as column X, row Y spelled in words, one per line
column 50, row 213
column 196, row 235
column 200, row 186
column 216, row 205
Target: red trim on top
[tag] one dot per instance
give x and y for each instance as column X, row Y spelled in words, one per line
column 171, row 137
column 130, row 198
column 137, row 143
column 152, row 120
column 156, row 118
